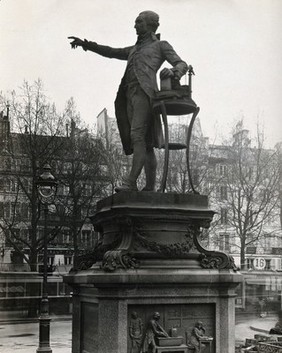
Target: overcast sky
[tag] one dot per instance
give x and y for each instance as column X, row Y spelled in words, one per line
column 235, row 47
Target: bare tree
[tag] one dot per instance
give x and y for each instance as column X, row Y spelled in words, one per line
column 247, row 189
column 81, row 179
column 114, row 163
column 38, row 135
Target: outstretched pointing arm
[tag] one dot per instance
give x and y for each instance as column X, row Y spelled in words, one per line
column 109, row 52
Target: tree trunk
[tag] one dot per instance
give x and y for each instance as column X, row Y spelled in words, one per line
column 243, row 256
column 281, row 209
column 75, row 237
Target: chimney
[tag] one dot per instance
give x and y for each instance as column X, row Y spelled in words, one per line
column 4, row 129
column 72, row 128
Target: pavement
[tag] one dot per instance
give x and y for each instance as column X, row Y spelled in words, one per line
column 23, row 337
column 250, row 325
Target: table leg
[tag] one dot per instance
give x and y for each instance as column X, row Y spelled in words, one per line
column 188, row 139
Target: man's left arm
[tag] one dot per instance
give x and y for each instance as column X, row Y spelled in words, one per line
column 179, row 67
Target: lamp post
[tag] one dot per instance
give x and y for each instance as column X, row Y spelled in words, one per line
column 47, row 188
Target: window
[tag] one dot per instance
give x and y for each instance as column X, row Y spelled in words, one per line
column 268, row 264
column 7, row 210
column 268, row 241
column 17, row 165
column 87, row 190
column 24, row 211
column 85, row 237
column 25, row 165
column 223, row 216
column 222, row 170
column 13, row 185
column 8, row 163
column 6, row 185
column 223, row 192
column 66, row 237
column 224, row 242
column 68, row 260
column 2, row 184
column 194, row 151
column 40, row 232
column 16, row 210
column 50, row 260
column 249, row 263
column 26, row 234
column 26, row 185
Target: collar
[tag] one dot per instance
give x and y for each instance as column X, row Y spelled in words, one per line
column 149, row 35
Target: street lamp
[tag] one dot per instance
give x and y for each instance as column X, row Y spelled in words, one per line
column 47, row 188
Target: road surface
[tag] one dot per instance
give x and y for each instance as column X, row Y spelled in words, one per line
column 23, row 337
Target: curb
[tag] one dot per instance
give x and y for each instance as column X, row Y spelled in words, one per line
column 259, row 329
column 32, row 320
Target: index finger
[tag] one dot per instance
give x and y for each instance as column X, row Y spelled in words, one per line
column 72, row 37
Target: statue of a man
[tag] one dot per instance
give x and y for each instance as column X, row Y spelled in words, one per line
column 154, row 329
column 139, row 129
column 135, row 332
column 197, row 334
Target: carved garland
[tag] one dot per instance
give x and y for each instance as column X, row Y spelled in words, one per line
column 117, row 254
column 171, row 250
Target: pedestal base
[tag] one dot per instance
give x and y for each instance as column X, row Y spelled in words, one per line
column 103, row 306
column 150, row 260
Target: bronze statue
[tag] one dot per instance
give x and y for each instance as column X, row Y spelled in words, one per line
column 139, row 129
column 135, row 332
column 154, row 329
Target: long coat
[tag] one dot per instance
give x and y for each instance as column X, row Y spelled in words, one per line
column 147, row 57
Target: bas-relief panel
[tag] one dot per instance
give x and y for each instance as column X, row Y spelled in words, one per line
column 181, row 317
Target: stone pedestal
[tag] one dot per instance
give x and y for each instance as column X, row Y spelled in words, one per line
column 151, row 260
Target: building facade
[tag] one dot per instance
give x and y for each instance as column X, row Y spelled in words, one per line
column 20, row 215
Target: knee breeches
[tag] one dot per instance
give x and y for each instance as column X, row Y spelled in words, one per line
column 140, row 115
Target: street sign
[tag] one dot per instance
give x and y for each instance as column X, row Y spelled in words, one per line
column 259, row 263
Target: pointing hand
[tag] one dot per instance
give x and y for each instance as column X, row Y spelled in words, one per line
column 76, row 42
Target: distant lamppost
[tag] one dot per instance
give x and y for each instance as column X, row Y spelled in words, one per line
column 47, row 188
